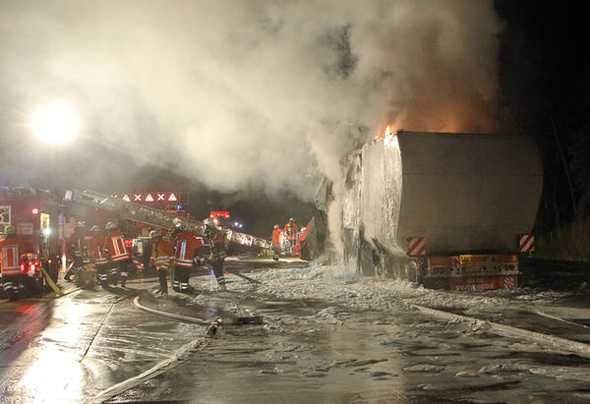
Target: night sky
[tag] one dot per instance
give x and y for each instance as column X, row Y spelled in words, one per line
column 247, row 105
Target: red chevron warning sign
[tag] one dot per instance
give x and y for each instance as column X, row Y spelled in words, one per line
column 526, row 243
column 416, row 246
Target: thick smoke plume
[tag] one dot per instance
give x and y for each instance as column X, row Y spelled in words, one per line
column 251, row 92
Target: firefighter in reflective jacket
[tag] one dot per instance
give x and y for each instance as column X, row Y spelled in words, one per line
column 217, row 240
column 78, row 252
column 97, row 255
column 12, row 247
column 186, row 245
column 277, row 235
column 116, row 253
column 291, row 231
column 162, row 257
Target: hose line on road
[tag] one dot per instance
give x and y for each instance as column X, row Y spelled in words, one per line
column 176, row 360
column 137, row 304
column 579, row 348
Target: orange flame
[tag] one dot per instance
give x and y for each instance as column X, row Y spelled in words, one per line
column 388, row 131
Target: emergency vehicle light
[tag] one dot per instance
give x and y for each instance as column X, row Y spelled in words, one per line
column 35, row 211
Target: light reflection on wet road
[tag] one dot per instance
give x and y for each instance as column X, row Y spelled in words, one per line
column 70, row 349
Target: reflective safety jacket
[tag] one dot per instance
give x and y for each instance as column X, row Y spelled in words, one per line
column 218, row 241
column 12, row 248
column 114, row 247
column 291, row 230
column 185, row 246
column 162, row 255
column 95, row 250
column 276, row 236
column 78, row 245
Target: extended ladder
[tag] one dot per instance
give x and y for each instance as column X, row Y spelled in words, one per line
column 158, row 217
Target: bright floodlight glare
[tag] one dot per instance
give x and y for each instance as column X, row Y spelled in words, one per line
column 56, row 123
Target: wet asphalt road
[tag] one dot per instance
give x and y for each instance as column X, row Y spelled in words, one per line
column 97, row 346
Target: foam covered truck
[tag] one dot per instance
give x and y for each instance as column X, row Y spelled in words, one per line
column 448, row 210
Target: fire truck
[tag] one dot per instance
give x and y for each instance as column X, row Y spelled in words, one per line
column 33, row 213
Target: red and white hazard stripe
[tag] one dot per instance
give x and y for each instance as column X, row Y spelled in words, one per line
column 526, row 243
column 508, row 282
column 416, row 246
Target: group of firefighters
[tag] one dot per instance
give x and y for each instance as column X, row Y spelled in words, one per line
column 285, row 239
column 105, row 248
column 173, row 254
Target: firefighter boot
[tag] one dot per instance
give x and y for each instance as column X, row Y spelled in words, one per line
column 163, row 289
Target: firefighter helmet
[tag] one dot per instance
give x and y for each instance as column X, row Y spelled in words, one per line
column 10, row 230
column 155, row 233
column 80, row 225
column 276, row 226
column 111, row 225
column 209, row 222
column 95, row 229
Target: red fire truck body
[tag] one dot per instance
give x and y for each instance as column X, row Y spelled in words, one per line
column 33, row 213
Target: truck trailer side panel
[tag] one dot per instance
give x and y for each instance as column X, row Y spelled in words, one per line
column 463, row 193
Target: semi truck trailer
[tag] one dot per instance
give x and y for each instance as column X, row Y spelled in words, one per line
column 443, row 209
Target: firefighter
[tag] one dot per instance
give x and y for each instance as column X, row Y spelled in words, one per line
column 276, row 241
column 291, row 231
column 217, row 240
column 186, row 245
column 116, row 251
column 97, row 255
column 12, row 247
column 77, row 250
column 162, row 257
column 133, row 257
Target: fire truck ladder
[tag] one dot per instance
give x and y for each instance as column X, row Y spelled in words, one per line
column 158, row 217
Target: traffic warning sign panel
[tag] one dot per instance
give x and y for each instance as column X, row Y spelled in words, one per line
column 526, row 243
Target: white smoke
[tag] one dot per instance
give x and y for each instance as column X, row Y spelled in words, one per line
column 253, row 92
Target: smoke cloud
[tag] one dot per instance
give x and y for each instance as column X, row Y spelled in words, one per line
column 245, row 92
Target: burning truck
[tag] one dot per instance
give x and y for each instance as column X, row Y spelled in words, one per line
column 443, row 209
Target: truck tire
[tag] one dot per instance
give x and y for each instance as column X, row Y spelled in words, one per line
column 12, row 296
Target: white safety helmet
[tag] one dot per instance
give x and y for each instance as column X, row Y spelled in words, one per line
column 209, row 222
column 276, row 226
column 155, row 233
column 111, row 225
